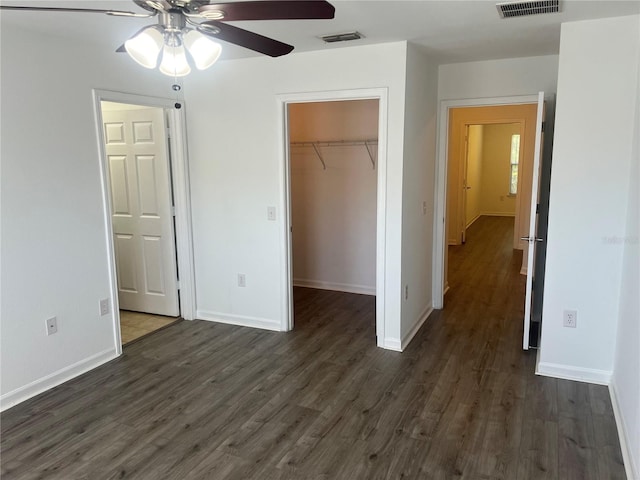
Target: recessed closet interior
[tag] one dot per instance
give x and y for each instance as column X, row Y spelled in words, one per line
column 333, row 194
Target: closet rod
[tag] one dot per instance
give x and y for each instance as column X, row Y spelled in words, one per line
column 340, row 143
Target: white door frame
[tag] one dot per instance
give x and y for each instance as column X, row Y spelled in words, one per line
column 181, row 196
column 440, row 229
column 380, row 94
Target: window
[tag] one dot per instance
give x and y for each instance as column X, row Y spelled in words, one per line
column 515, row 156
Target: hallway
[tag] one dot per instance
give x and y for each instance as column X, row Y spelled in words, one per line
column 201, row 400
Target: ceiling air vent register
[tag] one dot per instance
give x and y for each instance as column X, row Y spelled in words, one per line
column 342, row 37
column 522, row 9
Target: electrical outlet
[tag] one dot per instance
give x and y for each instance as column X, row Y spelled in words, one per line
column 271, row 214
column 570, row 318
column 104, row 306
column 242, row 280
column 52, row 325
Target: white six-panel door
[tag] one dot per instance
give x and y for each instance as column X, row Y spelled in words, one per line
column 141, row 210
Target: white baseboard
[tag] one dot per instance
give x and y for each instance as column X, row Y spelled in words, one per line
column 569, row 372
column 523, row 270
column 498, row 214
column 338, row 287
column 630, row 465
column 446, row 289
column 475, row 218
column 398, row 345
column 43, row 384
column 391, row 344
column 411, row 333
column 239, row 320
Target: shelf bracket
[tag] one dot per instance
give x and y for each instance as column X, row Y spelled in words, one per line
column 317, row 150
column 371, row 155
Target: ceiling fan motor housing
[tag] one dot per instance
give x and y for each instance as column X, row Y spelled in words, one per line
column 172, row 21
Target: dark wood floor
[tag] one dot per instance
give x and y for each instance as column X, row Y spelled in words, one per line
column 201, row 400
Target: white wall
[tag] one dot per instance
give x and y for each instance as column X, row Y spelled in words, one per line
column 589, row 194
column 496, row 170
column 235, row 153
column 418, row 190
column 498, row 78
column 54, row 259
column 626, row 377
column 334, row 210
column 474, row 173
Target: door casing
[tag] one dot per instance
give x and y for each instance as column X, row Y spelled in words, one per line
column 181, row 193
column 380, row 94
column 440, row 226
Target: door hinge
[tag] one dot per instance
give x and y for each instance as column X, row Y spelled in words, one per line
column 173, row 210
column 537, row 208
column 543, row 126
column 178, row 284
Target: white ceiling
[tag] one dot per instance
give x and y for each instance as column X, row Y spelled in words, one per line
column 450, row 30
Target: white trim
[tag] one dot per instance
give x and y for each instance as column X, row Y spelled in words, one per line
column 391, row 344
column 439, row 243
column 623, row 433
column 239, row 320
column 412, row 333
column 380, row 94
column 337, row 287
column 569, row 372
column 523, row 270
column 183, row 222
column 54, row 379
column 181, row 193
column 471, row 222
column 488, row 214
column 498, row 214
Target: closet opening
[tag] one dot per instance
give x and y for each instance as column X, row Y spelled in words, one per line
column 333, row 212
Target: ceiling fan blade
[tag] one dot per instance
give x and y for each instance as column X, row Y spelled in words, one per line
column 270, row 10
column 245, row 38
column 118, row 13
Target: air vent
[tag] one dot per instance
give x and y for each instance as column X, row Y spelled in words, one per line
column 342, row 37
column 521, row 9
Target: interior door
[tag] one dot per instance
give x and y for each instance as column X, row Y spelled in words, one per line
column 538, row 220
column 142, row 218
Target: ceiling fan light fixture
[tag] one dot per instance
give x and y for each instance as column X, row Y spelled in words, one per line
column 145, row 47
column 174, row 61
column 204, row 51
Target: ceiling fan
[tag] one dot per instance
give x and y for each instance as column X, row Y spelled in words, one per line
column 191, row 25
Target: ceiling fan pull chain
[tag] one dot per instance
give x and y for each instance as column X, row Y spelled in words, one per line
column 177, row 87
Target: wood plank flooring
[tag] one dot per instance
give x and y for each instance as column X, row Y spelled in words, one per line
column 201, row 400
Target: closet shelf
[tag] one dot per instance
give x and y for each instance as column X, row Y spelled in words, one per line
column 368, row 144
